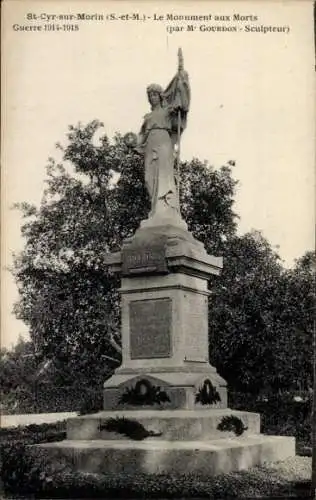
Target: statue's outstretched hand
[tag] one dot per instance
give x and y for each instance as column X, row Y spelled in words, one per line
column 139, row 150
column 133, row 142
column 130, row 139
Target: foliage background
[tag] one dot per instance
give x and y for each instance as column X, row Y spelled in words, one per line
column 260, row 313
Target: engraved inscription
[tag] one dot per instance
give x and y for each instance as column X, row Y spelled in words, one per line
column 150, row 328
column 141, row 260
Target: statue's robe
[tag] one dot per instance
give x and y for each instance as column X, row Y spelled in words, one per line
column 160, row 132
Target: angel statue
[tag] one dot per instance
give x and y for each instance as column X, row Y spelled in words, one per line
column 159, row 140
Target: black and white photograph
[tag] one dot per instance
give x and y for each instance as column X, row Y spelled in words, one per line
column 158, row 249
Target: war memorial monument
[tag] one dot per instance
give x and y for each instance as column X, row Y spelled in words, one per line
column 165, row 407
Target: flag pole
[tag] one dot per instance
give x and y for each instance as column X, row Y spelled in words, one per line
column 180, row 68
column 178, row 155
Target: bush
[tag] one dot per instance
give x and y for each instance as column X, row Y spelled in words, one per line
column 280, row 414
column 20, row 470
column 92, row 403
column 44, row 398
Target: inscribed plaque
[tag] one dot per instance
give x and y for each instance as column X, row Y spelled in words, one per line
column 144, row 260
column 150, row 328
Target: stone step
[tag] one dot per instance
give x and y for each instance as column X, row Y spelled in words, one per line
column 153, row 456
column 173, row 425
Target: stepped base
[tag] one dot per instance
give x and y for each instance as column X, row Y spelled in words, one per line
column 173, row 425
column 152, row 456
column 165, row 389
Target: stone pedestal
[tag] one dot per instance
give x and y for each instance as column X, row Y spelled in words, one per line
column 164, row 303
column 165, row 406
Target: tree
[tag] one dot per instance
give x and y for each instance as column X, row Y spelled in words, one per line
column 261, row 318
column 93, row 199
column 243, row 312
column 260, row 313
column 298, row 316
column 18, row 367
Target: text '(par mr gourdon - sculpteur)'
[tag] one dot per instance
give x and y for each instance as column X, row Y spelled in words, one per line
column 159, row 142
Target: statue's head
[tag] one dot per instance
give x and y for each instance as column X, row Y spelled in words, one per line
column 155, row 94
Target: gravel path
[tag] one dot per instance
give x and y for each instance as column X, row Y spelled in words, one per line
column 292, row 469
column 275, row 479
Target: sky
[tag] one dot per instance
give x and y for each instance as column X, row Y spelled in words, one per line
column 252, row 102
